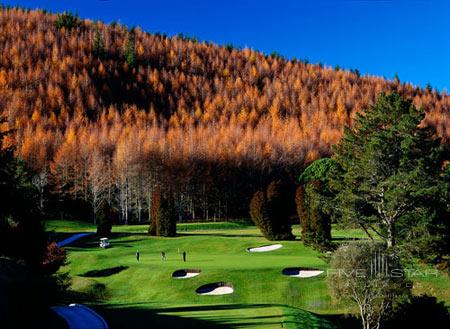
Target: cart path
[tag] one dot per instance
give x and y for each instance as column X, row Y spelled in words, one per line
column 73, row 238
column 79, row 316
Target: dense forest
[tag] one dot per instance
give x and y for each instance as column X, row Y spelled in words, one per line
column 104, row 113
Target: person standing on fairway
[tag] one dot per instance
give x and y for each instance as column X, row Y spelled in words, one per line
column 184, row 256
column 138, row 255
column 163, row 255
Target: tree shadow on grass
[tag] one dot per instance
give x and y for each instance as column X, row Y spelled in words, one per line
column 225, row 235
column 139, row 316
column 115, row 235
column 213, row 307
column 142, row 315
column 95, row 292
column 344, row 321
column 421, row 312
column 124, row 242
column 136, row 317
column 104, row 272
column 345, row 238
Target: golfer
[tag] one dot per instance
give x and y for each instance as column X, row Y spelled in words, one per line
column 184, row 256
column 138, row 255
column 163, row 255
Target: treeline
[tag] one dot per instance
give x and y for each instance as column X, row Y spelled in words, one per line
column 29, row 261
column 106, row 113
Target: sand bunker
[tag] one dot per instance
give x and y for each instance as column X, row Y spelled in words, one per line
column 185, row 274
column 301, row 272
column 265, row 248
column 214, row 289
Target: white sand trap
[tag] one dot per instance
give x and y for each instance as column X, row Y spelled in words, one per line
column 219, row 291
column 215, row 289
column 265, row 248
column 185, row 274
column 188, row 275
column 307, row 274
column 298, row 272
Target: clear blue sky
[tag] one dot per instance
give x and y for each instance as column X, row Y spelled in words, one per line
column 378, row 37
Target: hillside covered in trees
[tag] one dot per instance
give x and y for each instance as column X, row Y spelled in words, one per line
column 104, row 113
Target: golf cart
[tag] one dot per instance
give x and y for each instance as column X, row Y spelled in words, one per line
column 104, row 243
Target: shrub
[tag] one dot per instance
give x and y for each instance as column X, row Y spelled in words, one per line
column 270, row 212
column 371, row 277
column 54, row 258
column 260, row 214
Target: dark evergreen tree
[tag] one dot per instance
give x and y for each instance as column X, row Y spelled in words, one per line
column 104, row 221
column 302, row 212
column 314, row 220
column 319, row 221
column 163, row 215
column 22, row 236
column 260, row 214
column 313, row 202
column 166, row 218
column 318, row 170
column 279, row 210
column 270, row 212
column 98, row 45
column 390, row 177
column 27, row 263
column 130, row 51
column 154, row 206
column 67, row 20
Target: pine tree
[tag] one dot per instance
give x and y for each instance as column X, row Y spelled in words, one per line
column 27, row 263
column 22, row 236
column 260, row 214
column 153, row 213
column 390, row 177
column 270, row 212
column 163, row 215
column 319, row 222
column 302, row 212
column 104, row 221
column 98, row 46
column 166, row 218
column 130, row 51
column 67, row 20
column 279, row 207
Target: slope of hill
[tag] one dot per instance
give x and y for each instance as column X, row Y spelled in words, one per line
column 105, row 113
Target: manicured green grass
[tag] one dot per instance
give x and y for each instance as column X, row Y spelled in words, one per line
column 427, row 280
column 184, row 227
column 68, row 226
column 131, row 293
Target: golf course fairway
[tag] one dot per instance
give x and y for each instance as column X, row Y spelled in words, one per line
column 132, row 294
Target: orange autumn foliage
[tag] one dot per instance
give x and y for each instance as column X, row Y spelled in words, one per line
column 183, row 102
